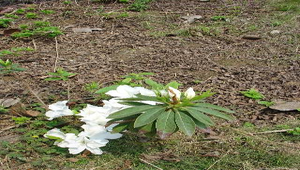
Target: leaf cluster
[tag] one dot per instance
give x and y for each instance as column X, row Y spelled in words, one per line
column 8, row 66
column 60, row 74
column 253, row 94
column 37, row 29
column 139, row 5
column 295, row 132
column 132, row 79
column 14, row 51
column 166, row 118
column 4, row 22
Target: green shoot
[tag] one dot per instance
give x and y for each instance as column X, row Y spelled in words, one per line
column 253, row 94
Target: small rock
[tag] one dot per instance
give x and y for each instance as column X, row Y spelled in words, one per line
column 85, row 30
column 251, row 37
column 286, row 106
column 192, row 18
column 275, row 32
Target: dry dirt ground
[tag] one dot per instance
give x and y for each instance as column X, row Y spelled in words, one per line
column 206, row 54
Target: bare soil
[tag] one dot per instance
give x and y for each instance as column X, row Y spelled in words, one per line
column 222, row 60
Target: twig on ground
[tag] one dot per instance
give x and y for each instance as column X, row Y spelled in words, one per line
column 57, row 55
column 218, row 160
column 31, row 91
column 144, row 161
column 267, row 141
column 34, row 44
column 273, row 131
column 8, row 128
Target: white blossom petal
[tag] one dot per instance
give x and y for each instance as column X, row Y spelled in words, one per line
column 58, row 109
column 174, row 93
column 55, row 133
column 190, row 93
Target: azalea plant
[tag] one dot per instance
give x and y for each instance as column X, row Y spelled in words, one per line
column 164, row 112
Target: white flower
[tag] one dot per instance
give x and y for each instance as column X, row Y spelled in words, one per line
column 82, row 142
column 174, row 94
column 55, row 133
column 189, row 94
column 99, row 133
column 123, row 91
column 69, row 139
column 145, row 92
column 58, row 109
column 94, row 115
column 113, row 105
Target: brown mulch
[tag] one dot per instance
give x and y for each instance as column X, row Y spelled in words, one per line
column 225, row 63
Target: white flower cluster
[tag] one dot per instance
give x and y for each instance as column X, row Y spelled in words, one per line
column 95, row 134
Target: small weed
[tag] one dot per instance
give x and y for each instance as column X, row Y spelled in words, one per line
column 133, row 79
column 47, row 12
column 218, row 18
column 41, row 24
column 60, row 74
column 197, row 81
column 14, row 51
column 31, row 15
column 67, row 2
column 37, row 28
column 253, row 94
column 92, row 87
column 8, row 66
column 23, row 26
column 266, row 103
column 276, row 23
column 139, row 5
column 123, row 15
column 4, row 22
column 20, row 11
column 123, row 1
column 11, row 16
column 248, row 125
column 20, row 120
column 3, row 109
column 295, row 132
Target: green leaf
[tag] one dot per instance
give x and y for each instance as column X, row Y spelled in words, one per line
column 130, row 111
column 126, row 80
column 266, row 103
column 203, row 95
column 185, row 123
column 149, row 116
column 142, row 98
column 199, row 116
column 200, row 124
column 106, row 89
column 214, row 107
column 214, row 113
column 120, row 127
column 147, row 128
column 173, row 84
column 133, row 103
column 154, row 84
column 253, row 94
column 165, row 124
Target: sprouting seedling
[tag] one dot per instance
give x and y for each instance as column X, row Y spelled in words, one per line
column 132, row 79
column 60, row 74
column 14, row 51
column 92, row 87
column 4, row 22
column 8, row 66
column 253, row 94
